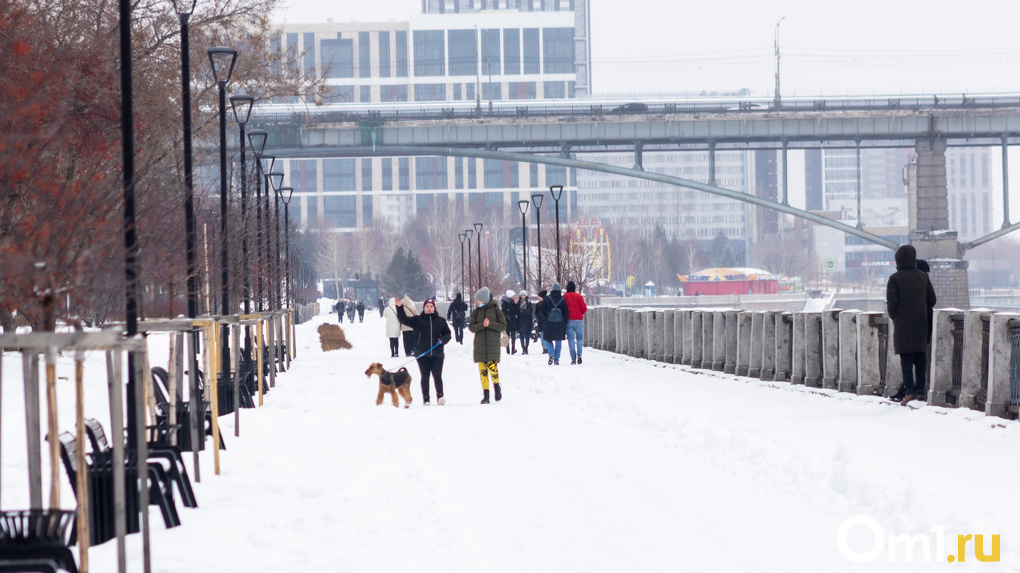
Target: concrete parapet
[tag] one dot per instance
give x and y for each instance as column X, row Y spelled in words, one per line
column 636, row 347
column 653, row 334
column 768, row 345
column 869, row 375
column 848, row 351
column 744, row 337
column 623, row 330
column 1000, row 356
column 718, row 340
column 784, row 346
column 830, row 349
column 942, row 349
column 974, row 379
column 730, row 357
column 798, row 345
column 813, row 349
column 697, row 330
column 754, row 358
column 893, row 373
column 668, row 330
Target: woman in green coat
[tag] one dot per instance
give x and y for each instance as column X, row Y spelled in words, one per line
column 487, row 323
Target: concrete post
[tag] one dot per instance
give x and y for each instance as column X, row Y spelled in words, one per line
column 848, row 351
column 730, row 356
column 639, row 335
column 609, row 320
column 830, row 349
column 813, row 349
column 798, row 345
column 784, row 346
column 697, row 342
column 668, row 330
column 893, row 371
column 680, row 320
column 744, row 336
column 869, row 375
column 653, row 335
column 707, row 339
column 754, row 359
column 623, row 330
column 769, row 345
column 942, row 345
column 976, row 325
column 719, row 340
column 1000, row 355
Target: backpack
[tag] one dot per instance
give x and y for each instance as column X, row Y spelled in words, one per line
column 555, row 315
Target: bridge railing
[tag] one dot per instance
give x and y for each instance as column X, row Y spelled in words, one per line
column 974, row 358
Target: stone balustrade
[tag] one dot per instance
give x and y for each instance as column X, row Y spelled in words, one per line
column 973, row 353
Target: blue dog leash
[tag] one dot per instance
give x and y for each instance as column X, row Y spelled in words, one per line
column 438, row 342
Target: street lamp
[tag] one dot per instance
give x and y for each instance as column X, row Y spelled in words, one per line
column 275, row 181
column 523, row 206
column 537, row 200
column 285, row 194
column 276, row 249
column 469, row 233
column 478, row 231
column 257, row 139
column 184, row 10
column 778, row 104
column 461, row 236
column 222, row 60
column 242, row 104
column 557, row 191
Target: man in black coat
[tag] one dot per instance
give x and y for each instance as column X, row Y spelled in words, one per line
column 555, row 323
column 909, row 297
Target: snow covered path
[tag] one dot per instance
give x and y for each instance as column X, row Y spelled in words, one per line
column 618, row 464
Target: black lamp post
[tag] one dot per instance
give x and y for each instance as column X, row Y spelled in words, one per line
column 557, row 191
column 241, row 104
column 461, row 236
column 184, row 10
column 257, row 140
column 222, row 60
column 478, row 242
column 537, row 200
column 276, row 250
column 274, row 180
column 523, row 206
column 469, row 233
column 285, row 194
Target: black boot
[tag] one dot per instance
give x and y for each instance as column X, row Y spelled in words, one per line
column 485, row 396
column 499, row 395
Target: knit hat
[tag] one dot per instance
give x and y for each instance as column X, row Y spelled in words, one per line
column 571, row 286
column 556, row 286
column 431, row 301
column 483, row 294
column 510, row 294
column 522, row 293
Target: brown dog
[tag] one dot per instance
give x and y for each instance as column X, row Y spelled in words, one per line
column 392, row 383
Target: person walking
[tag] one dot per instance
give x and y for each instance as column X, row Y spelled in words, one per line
column 361, row 310
column 351, row 307
column 575, row 322
column 509, row 307
column 553, row 311
column 457, row 315
column 407, row 332
column 382, row 306
column 908, row 297
column 341, row 308
column 540, row 320
column 430, row 333
column 487, row 324
column 393, row 327
column 525, row 320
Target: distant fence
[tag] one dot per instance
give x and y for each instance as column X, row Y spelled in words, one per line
column 974, row 360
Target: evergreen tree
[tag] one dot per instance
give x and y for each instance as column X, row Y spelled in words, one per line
column 418, row 285
column 404, row 275
column 722, row 251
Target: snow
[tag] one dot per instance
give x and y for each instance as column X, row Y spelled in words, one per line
column 619, row 464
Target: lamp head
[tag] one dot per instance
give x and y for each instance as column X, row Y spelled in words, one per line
column 470, row 233
column 556, row 191
column 523, row 205
column 242, row 104
column 257, row 139
column 276, row 179
column 461, row 236
column 270, row 161
column 222, row 60
column 478, row 229
column 537, row 199
column 184, row 8
column 285, row 194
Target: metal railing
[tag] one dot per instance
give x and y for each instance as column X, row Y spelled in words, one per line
column 1014, row 364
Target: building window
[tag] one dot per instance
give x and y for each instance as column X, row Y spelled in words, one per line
column 430, row 173
column 472, row 173
column 424, row 201
column 404, row 166
column 303, row 177
column 429, row 53
column 963, row 215
column 458, row 172
column 340, row 211
column 274, row 46
column 338, row 94
column 521, row 90
column 392, row 93
column 338, row 58
column 986, row 213
column 511, row 51
column 532, row 60
column 366, row 93
column 429, row 92
column 366, row 174
column 558, row 50
column 490, row 51
column 387, row 174
column 364, row 55
column 456, row 92
column 384, row 54
column 309, row 54
column 501, row 174
column 555, row 175
column 338, row 175
column 984, row 170
column 402, row 54
column 533, row 172
column 366, row 211
column 312, row 208
column 554, row 90
column 463, row 52
column 492, row 91
column 469, row 91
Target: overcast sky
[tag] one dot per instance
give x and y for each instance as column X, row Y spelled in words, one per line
column 831, row 48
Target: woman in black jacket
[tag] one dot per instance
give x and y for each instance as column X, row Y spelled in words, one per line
column 430, row 334
column 525, row 320
column 457, row 315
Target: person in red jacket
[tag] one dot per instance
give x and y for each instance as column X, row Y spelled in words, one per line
column 575, row 323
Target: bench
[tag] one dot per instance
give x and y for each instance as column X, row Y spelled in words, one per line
column 164, row 429
column 36, row 541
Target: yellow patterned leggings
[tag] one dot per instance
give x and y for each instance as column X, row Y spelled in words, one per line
column 487, row 369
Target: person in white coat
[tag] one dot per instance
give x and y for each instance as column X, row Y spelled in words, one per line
column 392, row 327
column 407, row 331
